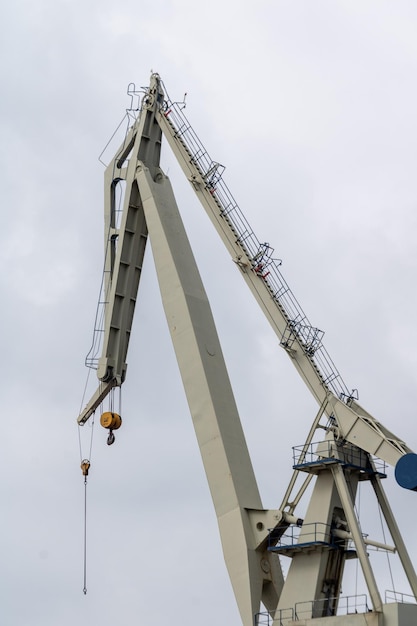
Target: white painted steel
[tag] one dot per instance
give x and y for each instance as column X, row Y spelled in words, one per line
column 210, row 398
column 245, row 526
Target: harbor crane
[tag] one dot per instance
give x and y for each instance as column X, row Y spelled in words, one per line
column 345, row 444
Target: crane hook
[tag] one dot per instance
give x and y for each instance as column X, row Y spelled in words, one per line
column 111, row 421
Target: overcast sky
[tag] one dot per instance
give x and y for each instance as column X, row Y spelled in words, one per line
column 311, row 106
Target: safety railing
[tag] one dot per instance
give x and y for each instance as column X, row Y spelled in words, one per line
column 282, row 618
column 316, row 453
column 301, row 537
column 344, row 605
column 401, row 598
column 326, row 607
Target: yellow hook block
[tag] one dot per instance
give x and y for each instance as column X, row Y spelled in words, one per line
column 109, row 420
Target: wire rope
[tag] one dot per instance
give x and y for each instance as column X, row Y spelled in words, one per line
column 126, row 116
column 388, row 555
column 85, row 465
column 94, row 350
column 85, row 537
column 358, row 511
column 81, row 407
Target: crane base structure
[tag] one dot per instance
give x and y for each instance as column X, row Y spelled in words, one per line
column 345, row 443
